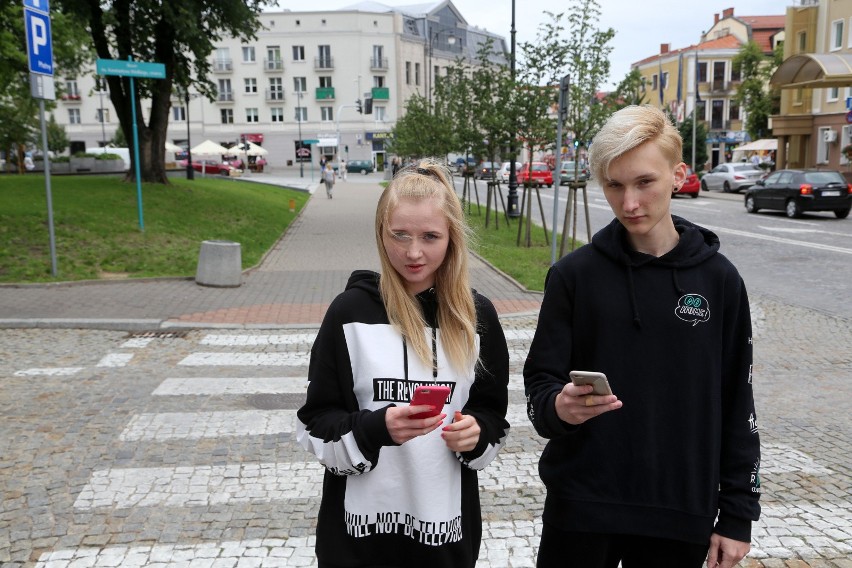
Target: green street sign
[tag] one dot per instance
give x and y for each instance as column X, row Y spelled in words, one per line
column 310, row 141
column 140, row 69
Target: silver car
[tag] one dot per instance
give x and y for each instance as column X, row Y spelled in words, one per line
column 732, row 176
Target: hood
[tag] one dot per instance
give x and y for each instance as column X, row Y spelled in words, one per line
column 695, row 245
column 365, row 280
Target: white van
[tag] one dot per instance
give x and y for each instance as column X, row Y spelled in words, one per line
column 123, row 152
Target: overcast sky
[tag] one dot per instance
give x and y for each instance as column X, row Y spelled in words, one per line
column 637, row 36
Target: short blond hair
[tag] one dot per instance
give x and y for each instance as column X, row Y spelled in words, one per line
column 629, row 128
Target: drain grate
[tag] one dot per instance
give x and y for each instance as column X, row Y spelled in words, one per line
column 179, row 334
column 275, row 401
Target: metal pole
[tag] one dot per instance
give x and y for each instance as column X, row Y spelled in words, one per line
column 46, row 154
column 136, row 151
column 512, row 197
column 694, row 110
column 190, row 173
column 298, row 157
column 101, row 95
column 563, row 103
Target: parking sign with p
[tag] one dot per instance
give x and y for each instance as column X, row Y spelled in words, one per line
column 39, row 43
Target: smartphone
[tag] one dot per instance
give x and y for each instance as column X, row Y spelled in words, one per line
column 597, row 380
column 434, row 395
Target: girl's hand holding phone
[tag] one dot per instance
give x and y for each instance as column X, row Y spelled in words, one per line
column 402, row 427
column 463, row 434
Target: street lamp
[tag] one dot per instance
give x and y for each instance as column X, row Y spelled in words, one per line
column 190, row 173
column 101, row 93
column 512, row 197
column 451, row 40
column 299, row 149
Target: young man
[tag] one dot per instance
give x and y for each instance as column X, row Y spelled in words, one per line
column 664, row 472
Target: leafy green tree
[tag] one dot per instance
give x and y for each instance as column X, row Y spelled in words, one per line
column 181, row 36
column 630, row 91
column 419, row 132
column 754, row 96
column 685, row 129
column 119, row 140
column 57, row 138
column 492, row 104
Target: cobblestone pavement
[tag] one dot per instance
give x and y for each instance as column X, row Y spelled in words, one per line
column 176, row 448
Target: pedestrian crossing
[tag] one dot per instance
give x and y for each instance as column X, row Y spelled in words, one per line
column 201, row 402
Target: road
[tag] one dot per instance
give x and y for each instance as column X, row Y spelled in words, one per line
column 805, row 262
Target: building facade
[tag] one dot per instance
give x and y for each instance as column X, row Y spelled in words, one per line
column 302, row 79
column 702, row 77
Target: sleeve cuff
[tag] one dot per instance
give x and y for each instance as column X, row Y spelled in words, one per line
column 734, row 528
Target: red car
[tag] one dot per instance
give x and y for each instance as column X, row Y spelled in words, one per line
column 541, row 174
column 210, row 167
column 691, row 186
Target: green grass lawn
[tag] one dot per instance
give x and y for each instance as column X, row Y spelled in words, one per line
column 97, row 230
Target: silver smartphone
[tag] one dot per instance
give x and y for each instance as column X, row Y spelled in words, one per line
column 597, row 380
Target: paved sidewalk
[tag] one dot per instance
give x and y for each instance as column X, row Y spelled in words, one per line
column 292, row 286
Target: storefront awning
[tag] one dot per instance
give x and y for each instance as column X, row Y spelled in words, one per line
column 814, row 70
column 327, row 142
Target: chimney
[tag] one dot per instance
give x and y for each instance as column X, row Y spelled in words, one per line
column 729, row 13
column 664, row 48
column 715, row 19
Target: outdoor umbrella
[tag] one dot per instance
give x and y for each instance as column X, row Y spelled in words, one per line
column 173, row 147
column 249, row 149
column 209, row 148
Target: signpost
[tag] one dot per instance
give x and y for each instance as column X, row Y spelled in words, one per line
column 40, row 57
column 133, row 69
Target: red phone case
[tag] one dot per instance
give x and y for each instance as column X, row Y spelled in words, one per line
column 434, row 395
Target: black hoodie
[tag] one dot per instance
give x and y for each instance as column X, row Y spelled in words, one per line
column 673, row 335
column 383, row 504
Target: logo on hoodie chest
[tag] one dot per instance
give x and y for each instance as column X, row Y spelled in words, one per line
column 693, row 308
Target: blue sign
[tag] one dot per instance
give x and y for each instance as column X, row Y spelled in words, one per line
column 38, row 5
column 39, row 43
column 131, row 68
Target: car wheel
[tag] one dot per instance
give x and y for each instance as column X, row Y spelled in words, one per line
column 694, row 195
column 363, row 172
column 750, row 205
column 841, row 213
column 726, row 187
column 703, row 185
column 793, row 210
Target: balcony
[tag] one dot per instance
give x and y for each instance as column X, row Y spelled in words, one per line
column 719, row 86
column 222, row 66
column 225, row 97
column 324, row 63
column 274, row 95
column 381, row 93
column 325, row 93
column 273, row 64
column 72, row 98
column 378, row 63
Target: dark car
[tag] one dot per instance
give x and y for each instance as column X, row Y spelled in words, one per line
column 363, row 166
column 488, row 170
column 691, row 186
column 797, row 191
column 460, row 161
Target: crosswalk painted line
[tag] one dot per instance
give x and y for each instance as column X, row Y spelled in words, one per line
column 241, row 340
column 137, row 342
column 214, row 386
column 246, row 359
column 49, row 372
column 115, row 360
column 197, row 425
column 519, row 334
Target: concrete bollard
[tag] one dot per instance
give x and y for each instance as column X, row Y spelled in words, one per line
column 219, row 264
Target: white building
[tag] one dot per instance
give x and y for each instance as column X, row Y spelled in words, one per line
column 304, row 72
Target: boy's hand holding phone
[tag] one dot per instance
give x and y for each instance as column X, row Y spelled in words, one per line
column 586, row 396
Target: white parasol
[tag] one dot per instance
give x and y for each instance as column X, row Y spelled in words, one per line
column 209, row 148
column 249, row 149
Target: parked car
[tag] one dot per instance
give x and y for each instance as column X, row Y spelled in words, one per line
column 691, row 186
column 211, row 167
column 566, row 172
column 541, row 174
column 460, row 161
column 503, row 174
column 363, row 166
column 487, row 170
column 796, row 191
column 731, row 176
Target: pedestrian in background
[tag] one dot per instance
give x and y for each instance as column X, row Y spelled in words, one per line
column 664, row 472
column 328, row 178
column 342, row 169
column 401, row 491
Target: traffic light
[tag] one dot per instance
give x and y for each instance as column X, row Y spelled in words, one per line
column 368, row 105
column 358, row 105
column 346, row 148
column 576, row 143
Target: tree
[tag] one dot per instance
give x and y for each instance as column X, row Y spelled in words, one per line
column 419, row 133
column 181, row 36
column 630, row 91
column 492, row 104
column 756, row 100
column 685, row 129
column 57, row 138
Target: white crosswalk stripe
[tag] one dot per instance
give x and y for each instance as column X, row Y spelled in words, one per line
column 212, row 386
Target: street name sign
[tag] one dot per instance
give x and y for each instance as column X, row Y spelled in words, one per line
column 139, row 69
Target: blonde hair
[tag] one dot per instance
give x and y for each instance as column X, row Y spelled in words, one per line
column 629, row 128
column 456, row 310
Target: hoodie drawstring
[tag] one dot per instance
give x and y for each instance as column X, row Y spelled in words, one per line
column 680, row 290
column 434, row 356
column 633, row 303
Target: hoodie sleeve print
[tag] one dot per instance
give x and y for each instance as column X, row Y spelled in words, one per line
column 546, row 368
column 739, row 482
column 489, row 395
column 345, row 439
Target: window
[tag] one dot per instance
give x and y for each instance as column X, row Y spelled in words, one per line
column 378, row 60
column 832, row 94
column 325, row 82
column 276, row 89
column 717, row 115
column 379, row 113
column 701, row 110
column 408, row 72
column 248, row 54
column 73, row 116
column 735, row 74
column 298, row 53
column 227, row 115
column 178, row 113
column 378, row 81
column 273, row 57
column 102, row 115
column 719, row 73
column 702, row 72
column 849, row 38
column 327, row 113
column 325, row 57
column 225, row 93
column 822, row 146
column 277, row 114
column 734, row 111
column 654, row 82
column 300, row 84
column 301, row 114
column 836, row 35
column 222, row 61
column 251, row 85
column 664, row 80
column 71, row 89
column 251, row 115
column 803, row 42
column 417, row 74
